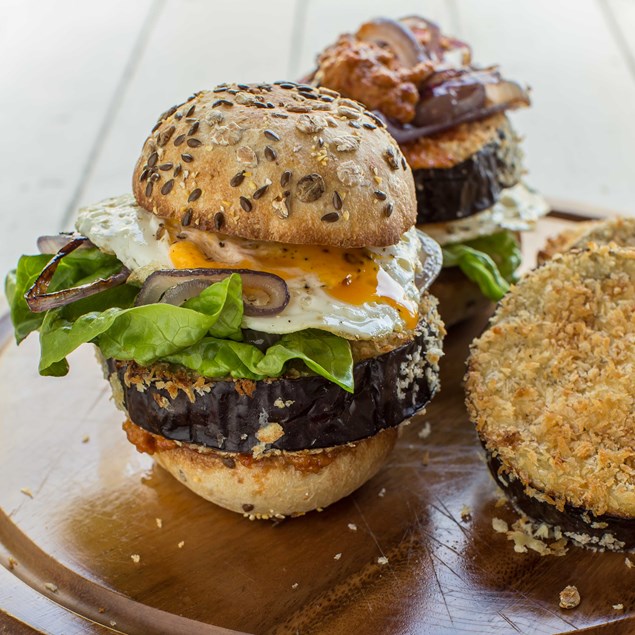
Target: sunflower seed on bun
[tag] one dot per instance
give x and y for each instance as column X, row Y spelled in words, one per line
column 283, row 162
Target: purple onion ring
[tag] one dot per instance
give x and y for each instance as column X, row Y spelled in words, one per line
column 264, row 293
column 39, row 300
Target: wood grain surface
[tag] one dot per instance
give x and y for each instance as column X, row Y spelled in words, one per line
column 78, row 502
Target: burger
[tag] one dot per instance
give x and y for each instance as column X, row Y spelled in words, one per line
column 449, row 118
column 259, row 303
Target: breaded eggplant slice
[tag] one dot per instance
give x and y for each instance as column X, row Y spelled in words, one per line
column 618, row 230
column 308, row 411
column 551, row 389
column 488, row 160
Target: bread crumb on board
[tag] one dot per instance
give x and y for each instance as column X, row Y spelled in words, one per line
column 500, row 525
column 425, row 431
column 13, row 563
column 136, row 558
column 159, row 522
column 382, row 492
column 466, row 513
column 618, row 607
column 337, row 556
column 181, row 544
column 294, row 585
column 382, row 560
column 85, row 439
column 27, row 491
column 353, row 527
column 569, row 597
column 51, row 587
column 526, row 535
column 628, row 562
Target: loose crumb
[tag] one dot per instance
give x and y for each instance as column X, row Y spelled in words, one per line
column 294, row 585
column 113, row 623
column 466, row 513
column 86, row 439
column 337, row 556
column 136, row 558
column 526, row 535
column 101, row 609
column 51, row 587
column 500, row 502
column 569, row 597
column 618, row 607
column 425, row 431
column 425, row 459
column 353, row 527
column 13, row 563
column 181, row 544
column 382, row 560
column 500, row 525
column 27, row 492
column 629, row 563
column 382, row 492
column 159, row 522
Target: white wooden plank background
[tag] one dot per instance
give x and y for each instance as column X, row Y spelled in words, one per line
column 81, row 84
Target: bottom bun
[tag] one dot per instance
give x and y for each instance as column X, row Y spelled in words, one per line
column 459, row 298
column 273, row 485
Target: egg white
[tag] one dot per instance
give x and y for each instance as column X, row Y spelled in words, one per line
column 518, row 209
column 119, row 226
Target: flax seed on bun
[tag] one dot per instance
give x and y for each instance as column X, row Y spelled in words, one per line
column 283, row 162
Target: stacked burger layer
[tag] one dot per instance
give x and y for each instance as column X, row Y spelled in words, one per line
column 259, row 302
column 449, row 117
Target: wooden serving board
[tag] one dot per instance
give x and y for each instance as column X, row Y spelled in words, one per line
column 77, row 502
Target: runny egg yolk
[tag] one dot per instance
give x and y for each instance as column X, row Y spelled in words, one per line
column 349, row 275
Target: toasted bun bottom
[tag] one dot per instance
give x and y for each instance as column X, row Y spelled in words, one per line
column 280, row 484
column 459, row 298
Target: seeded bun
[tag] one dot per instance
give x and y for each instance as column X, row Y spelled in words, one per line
column 285, row 162
column 275, row 485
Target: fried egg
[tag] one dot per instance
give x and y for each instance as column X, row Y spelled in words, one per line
column 518, row 209
column 355, row 293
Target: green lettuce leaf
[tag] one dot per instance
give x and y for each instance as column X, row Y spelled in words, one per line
column 80, row 267
column 324, row 353
column 144, row 333
column 204, row 334
column 489, row 261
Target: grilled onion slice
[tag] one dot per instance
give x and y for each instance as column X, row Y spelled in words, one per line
column 263, row 293
column 39, row 300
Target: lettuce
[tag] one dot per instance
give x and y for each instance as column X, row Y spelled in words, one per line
column 489, row 261
column 324, row 353
column 204, row 334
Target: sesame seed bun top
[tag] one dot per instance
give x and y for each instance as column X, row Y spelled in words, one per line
column 283, row 162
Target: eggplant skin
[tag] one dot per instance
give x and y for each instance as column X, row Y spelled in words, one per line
column 475, row 184
column 311, row 411
column 573, row 520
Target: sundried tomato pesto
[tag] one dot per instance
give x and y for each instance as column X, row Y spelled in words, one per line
column 303, row 461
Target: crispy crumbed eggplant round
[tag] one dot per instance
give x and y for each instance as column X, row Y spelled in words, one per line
column 449, row 193
column 618, row 230
column 550, row 385
column 272, row 486
column 286, row 413
column 603, row 532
